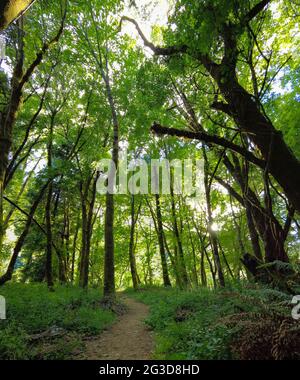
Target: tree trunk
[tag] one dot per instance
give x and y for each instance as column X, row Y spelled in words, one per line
column 254, row 237
column 180, row 256
column 74, row 252
column 269, row 229
column 149, row 267
column 132, row 260
column 202, row 270
column 21, row 240
column 109, row 249
column 212, row 234
column 281, row 162
column 195, row 272
column 87, row 206
column 160, row 235
column 109, row 258
column 48, row 269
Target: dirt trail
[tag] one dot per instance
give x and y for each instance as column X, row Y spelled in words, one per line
column 127, row 339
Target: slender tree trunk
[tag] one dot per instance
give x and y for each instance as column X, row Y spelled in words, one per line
column 109, row 247
column 87, row 227
column 83, row 264
column 212, row 234
column 204, row 253
column 160, row 235
column 48, row 269
column 254, row 237
column 226, row 261
column 21, row 240
column 149, row 267
column 196, row 281
column 173, row 259
column 202, row 270
column 132, row 260
column 180, row 257
column 109, row 258
column 74, row 252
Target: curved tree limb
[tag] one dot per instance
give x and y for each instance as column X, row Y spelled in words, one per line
column 208, row 139
column 208, row 63
column 171, row 50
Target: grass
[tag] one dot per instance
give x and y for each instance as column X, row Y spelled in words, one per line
column 239, row 322
column 32, row 309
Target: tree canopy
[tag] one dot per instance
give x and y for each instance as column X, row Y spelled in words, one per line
column 82, row 82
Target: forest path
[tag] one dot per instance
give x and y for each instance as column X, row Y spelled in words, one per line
column 127, row 339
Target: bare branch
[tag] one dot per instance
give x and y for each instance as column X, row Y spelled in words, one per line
column 171, row 50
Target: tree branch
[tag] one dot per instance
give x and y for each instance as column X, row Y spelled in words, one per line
column 255, row 11
column 43, row 51
column 223, row 107
column 208, row 139
column 211, row 66
column 171, row 50
column 231, row 190
column 25, row 213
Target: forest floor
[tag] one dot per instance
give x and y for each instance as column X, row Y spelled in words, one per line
column 127, row 339
column 243, row 321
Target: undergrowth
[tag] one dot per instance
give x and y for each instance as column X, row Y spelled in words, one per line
column 32, row 309
column 240, row 322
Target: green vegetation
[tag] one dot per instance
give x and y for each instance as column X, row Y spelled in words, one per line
column 239, row 322
column 32, row 310
column 94, row 91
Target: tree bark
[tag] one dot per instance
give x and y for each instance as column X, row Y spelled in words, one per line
column 132, row 259
column 180, row 256
column 195, row 272
column 269, row 229
column 87, row 206
column 160, row 235
column 48, row 269
column 109, row 245
column 21, row 240
column 74, row 252
column 212, row 234
column 281, row 162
